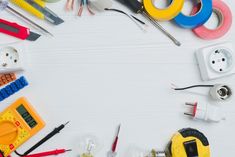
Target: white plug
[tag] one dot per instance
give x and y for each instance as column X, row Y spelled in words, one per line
column 216, row 61
column 10, row 59
column 205, row 112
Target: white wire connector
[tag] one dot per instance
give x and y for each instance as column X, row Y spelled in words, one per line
column 205, row 112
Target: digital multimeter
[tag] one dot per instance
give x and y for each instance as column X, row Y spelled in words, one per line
column 18, row 123
column 188, row 143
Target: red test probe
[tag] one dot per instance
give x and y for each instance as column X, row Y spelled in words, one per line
column 49, row 153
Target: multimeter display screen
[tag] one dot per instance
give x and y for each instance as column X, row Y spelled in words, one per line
column 26, row 116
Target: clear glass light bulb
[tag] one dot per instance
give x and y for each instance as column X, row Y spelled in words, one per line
column 88, row 146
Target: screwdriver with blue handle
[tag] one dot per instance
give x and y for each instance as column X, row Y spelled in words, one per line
column 138, row 8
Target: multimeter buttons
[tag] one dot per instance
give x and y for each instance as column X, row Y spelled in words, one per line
column 188, row 143
column 8, row 132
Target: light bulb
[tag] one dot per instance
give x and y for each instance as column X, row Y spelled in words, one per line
column 88, row 146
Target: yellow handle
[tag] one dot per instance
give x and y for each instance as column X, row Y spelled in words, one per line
column 24, row 5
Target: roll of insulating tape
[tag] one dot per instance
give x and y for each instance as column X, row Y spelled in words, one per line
column 163, row 14
column 198, row 19
column 225, row 22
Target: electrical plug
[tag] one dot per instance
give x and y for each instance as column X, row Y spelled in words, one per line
column 205, row 112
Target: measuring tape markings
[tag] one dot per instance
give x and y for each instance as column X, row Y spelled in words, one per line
column 225, row 21
column 163, row 14
column 197, row 19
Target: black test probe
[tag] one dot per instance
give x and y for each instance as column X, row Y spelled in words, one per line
column 46, row 138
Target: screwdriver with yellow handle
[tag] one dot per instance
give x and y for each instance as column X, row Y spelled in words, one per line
column 38, row 8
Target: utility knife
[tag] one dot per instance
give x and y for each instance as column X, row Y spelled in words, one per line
column 38, row 8
column 18, row 31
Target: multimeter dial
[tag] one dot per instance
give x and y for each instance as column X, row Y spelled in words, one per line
column 8, row 132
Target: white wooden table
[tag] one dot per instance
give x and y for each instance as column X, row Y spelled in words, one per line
column 99, row 71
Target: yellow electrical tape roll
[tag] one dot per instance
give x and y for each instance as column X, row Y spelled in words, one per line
column 163, row 14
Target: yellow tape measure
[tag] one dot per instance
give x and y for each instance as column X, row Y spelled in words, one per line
column 18, row 123
column 188, row 143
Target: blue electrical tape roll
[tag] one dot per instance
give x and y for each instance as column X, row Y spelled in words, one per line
column 198, row 19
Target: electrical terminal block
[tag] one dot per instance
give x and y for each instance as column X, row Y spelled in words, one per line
column 12, row 88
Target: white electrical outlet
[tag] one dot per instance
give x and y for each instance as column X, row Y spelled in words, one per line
column 11, row 58
column 216, row 61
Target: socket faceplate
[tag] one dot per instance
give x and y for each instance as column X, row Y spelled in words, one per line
column 216, row 61
column 11, row 58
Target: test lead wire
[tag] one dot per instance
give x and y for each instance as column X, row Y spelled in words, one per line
column 133, row 18
column 49, row 153
column 46, row 138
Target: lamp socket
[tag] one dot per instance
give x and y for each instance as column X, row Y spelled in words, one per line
column 216, row 61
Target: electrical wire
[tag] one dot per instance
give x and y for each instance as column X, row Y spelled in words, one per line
column 69, row 5
column 134, row 19
column 82, row 4
column 193, row 86
column 88, row 7
column 81, row 8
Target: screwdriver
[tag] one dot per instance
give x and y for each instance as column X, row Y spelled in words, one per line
column 112, row 152
column 4, row 5
column 138, row 8
column 46, row 138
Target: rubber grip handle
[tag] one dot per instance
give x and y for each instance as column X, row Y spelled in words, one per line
column 29, row 8
column 14, row 29
column 134, row 5
column 40, row 2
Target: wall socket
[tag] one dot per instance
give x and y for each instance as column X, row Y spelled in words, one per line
column 11, row 58
column 216, row 61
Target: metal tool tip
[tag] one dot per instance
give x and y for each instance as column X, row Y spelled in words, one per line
column 188, row 114
column 119, row 127
column 67, row 123
column 68, row 150
column 190, row 104
column 177, row 43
